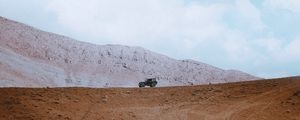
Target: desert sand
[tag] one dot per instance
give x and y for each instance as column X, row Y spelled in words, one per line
column 276, row 99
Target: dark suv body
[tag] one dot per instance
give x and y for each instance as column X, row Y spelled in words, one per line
column 149, row 82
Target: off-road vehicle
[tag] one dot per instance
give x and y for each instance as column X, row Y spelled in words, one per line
column 148, row 82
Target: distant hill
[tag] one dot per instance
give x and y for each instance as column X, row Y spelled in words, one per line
column 33, row 58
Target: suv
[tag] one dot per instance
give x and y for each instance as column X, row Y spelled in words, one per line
column 149, row 82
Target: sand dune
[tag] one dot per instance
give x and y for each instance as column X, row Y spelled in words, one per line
column 277, row 99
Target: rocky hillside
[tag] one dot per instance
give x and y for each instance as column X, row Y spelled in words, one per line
column 34, row 58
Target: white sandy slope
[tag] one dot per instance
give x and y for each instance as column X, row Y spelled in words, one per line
column 34, row 58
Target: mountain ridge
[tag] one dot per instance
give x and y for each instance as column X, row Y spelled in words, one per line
column 63, row 61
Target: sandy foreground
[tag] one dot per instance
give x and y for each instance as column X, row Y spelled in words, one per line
column 277, row 99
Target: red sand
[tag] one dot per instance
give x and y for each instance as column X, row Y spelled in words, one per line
column 277, row 99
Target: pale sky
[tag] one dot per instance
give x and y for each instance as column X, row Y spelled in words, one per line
column 260, row 37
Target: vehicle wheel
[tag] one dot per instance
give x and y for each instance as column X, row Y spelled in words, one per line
column 141, row 84
column 152, row 84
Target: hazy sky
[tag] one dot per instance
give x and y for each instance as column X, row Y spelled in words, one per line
column 261, row 37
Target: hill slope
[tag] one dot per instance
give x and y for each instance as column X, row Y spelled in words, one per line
column 277, row 99
column 34, row 58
